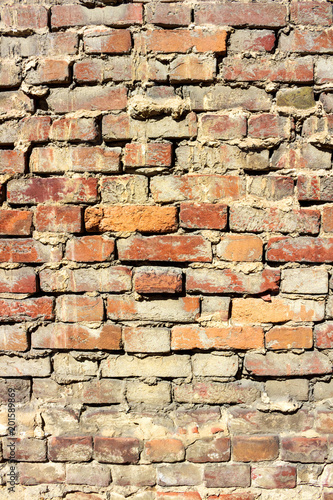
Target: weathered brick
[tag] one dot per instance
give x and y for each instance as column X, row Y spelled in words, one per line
column 214, row 308
column 205, row 365
column 274, row 477
column 305, row 280
column 153, row 366
column 179, row 475
column 16, row 101
column 22, row 280
column 227, row 476
column 203, row 215
column 324, row 69
column 244, row 495
column 149, row 395
column 14, row 366
column 295, row 388
column 115, row 69
column 75, row 336
column 255, row 448
column 146, row 339
column 65, row 16
column 303, row 249
column 327, row 219
column 300, row 156
column 269, row 125
column 102, row 41
column 125, row 189
column 240, row 248
column 88, row 474
column 323, row 419
column 251, row 70
column 22, row 388
column 49, row 71
column 143, row 218
column 307, row 42
column 79, row 159
column 56, row 218
column 209, row 450
column 49, row 44
column 124, row 307
column 257, row 220
column 133, row 475
column 23, row 19
column 192, row 68
column 170, row 14
column 28, row 250
column 304, row 449
column 254, row 15
column 79, row 495
column 164, row 450
column 11, row 161
column 314, row 188
column 15, row 222
column 75, row 129
column 111, row 279
column 288, row 337
column 200, row 187
column 86, row 98
column 229, row 281
column 90, row 249
column 299, row 98
column 67, row 368
column 148, row 155
column 271, row 188
column 181, row 40
column 34, row 129
column 253, row 40
column 73, row 308
column 217, row 392
column 70, row 449
column 223, row 97
column 116, row 450
column 194, row 337
column 10, row 74
column 31, row 474
column 13, row 337
column 52, row 190
column 26, row 309
column 158, row 280
column 314, row 13
column 282, row 365
column 278, row 310
column 323, row 334
column 227, row 126
column 174, row 495
column 175, row 248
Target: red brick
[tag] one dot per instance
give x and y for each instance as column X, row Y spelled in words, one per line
column 181, row 40
column 59, row 219
column 240, row 248
column 108, row 42
column 229, row 281
column 73, row 308
column 203, row 188
column 89, row 98
column 11, row 161
column 302, row 249
column 15, row 222
column 253, row 40
column 324, row 335
column 28, row 250
column 288, row 337
column 287, row 365
column 116, row 450
column 249, row 70
column 306, row 41
column 164, row 450
column 158, row 280
column 68, row 448
column 225, row 126
column 168, row 14
column 24, row 18
column 203, row 215
column 49, row 71
column 26, row 309
column 328, row 495
column 143, row 218
column 74, row 129
column 26, row 450
column 254, row 15
column 327, row 220
column 148, row 155
column 13, row 338
column 276, row 477
column 90, row 249
column 65, row 16
column 314, row 188
column 22, row 280
column 209, row 450
column 9, row 74
column 254, row 448
column 175, row 248
column 116, row 69
column 314, row 13
column 193, row 337
column 116, row 127
column 269, row 125
column 31, row 474
column 52, row 189
column 35, row 128
column 304, row 449
column 75, row 336
column 227, row 476
column 88, row 70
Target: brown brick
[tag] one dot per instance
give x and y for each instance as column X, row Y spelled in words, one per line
column 209, row 450
column 90, row 249
column 164, row 450
column 227, row 476
column 70, row 449
column 255, row 448
column 304, row 449
column 116, row 450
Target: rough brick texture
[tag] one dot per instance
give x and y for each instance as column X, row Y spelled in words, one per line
column 166, row 249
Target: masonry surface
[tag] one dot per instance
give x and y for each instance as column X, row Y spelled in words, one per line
column 166, row 250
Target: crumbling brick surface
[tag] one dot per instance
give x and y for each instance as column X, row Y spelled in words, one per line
column 166, row 250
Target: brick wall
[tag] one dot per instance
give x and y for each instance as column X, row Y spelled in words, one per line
column 166, row 250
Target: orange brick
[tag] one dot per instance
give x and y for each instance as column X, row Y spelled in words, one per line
column 90, row 249
column 240, row 248
column 13, row 338
column 15, row 222
column 255, row 448
column 327, row 222
column 164, row 450
column 284, row 337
